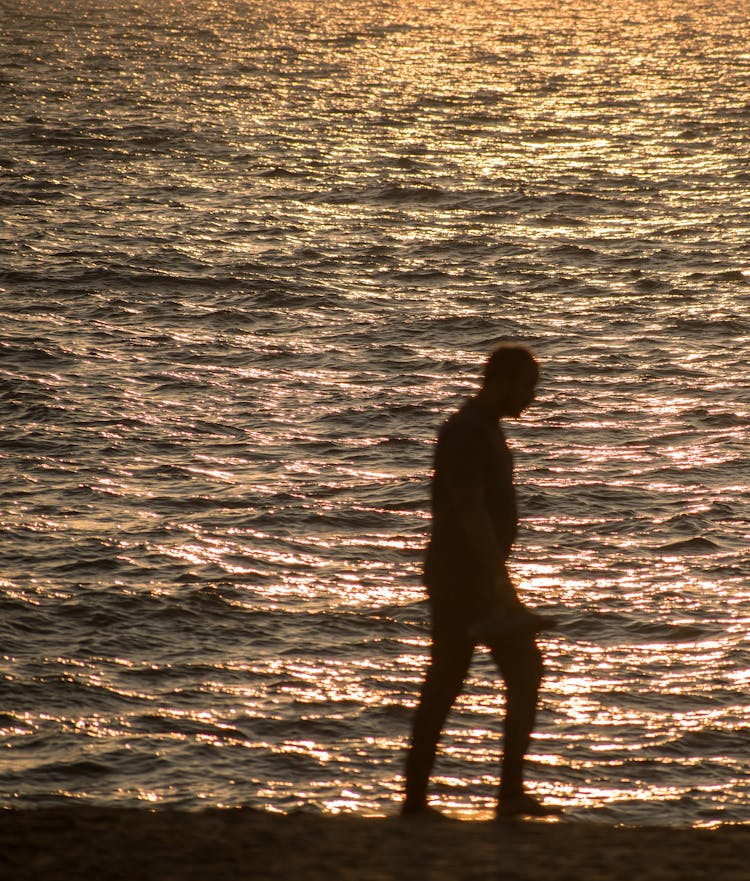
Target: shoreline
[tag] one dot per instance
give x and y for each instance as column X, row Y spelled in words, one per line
column 51, row 844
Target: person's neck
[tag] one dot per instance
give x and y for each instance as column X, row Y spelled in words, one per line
column 488, row 404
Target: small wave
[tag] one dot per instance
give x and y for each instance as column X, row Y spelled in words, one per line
column 390, row 193
column 728, row 326
column 720, row 420
column 739, row 275
column 710, row 742
column 10, row 723
column 556, row 219
column 44, row 351
column 653, row 285
column 697, row 545
column 84, row 768
column 157, row 724
column 616, row 628
column 84, row 566
column 274, row 172
column 569, row 250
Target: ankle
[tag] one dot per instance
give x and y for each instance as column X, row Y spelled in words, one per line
column 413, row 806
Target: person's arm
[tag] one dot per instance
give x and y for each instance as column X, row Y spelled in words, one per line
column 469, row 503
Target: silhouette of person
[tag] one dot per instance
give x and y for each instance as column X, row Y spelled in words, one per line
column 472, row 599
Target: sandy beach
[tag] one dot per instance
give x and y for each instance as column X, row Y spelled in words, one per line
column 103, row 844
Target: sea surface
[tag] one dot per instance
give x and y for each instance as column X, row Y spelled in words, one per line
column 251, row 255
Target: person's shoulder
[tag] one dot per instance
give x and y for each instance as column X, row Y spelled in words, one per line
column 469, row 415
column 466, row 423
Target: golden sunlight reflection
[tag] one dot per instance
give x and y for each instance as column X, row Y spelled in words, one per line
column 216, row 504
column 305, row 748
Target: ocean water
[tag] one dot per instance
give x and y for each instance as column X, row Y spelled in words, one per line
column 251, row 255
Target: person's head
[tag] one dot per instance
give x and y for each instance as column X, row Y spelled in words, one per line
column 510, row 377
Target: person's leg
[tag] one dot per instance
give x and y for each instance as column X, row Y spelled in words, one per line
column 520, row 663
column 449, row 663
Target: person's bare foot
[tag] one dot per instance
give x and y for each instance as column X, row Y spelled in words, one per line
column 524, row 805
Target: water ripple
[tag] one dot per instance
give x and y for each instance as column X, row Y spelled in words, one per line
column 253, row 255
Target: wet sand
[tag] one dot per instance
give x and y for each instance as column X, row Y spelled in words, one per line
column 103, row 844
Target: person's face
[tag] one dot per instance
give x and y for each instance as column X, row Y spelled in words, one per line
column 522, row 393
column 514, row 396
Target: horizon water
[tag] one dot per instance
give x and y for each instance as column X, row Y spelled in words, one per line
column 252, row 256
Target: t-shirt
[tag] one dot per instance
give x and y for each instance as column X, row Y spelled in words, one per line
column 471, row 450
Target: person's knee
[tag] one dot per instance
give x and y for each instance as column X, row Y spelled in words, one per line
column 534, row 664
column 446, row 674
column 524, row 668
column 536, row 670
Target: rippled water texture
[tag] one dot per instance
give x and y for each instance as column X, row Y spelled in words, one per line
column 252, row 254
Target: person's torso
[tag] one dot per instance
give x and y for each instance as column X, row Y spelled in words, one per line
column 470, row 447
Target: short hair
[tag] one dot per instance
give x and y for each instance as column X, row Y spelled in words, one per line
column 509, row 361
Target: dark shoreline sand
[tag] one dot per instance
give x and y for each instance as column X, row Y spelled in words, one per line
column 85, row 843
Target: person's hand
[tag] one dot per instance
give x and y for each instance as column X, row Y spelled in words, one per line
column 507, row 622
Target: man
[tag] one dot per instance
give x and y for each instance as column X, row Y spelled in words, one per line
column 472, row 599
